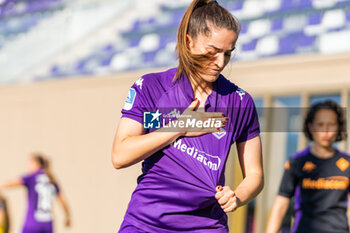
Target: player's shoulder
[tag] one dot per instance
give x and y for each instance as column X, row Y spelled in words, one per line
column 231, row 90
column 344, row 154
column 225, row 85
column 300, row 155
column 297, row 159
column 156, row 80
column 28, row 177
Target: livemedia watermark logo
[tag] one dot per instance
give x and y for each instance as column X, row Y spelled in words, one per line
column 174, row 120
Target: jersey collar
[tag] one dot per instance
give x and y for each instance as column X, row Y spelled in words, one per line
column 186, row 88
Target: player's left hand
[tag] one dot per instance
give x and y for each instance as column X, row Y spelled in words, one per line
column 227, row 198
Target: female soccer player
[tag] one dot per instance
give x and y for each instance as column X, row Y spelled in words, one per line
column 4, row 218
column 42, row 189
column 181, row 188
column 317, row 177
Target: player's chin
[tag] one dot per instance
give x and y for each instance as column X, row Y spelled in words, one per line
column 212, row 77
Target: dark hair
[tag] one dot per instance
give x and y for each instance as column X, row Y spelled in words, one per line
column 330, row 105
column 45, row 165
column 195, row 22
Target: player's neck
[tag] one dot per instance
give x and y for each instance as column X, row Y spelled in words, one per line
column 201, row 93
column 322, row 152
column 202, row 89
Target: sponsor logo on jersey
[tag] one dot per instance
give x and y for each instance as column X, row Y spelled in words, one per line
column 309, row 167
column 210, row 161
column 240, row 92
column 342, row 164
column 220, row 135
column 333, row 182
column 151, row 120
column 130, row 99
column 139, row 83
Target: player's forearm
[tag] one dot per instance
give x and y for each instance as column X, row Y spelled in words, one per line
column 10, row 184
column 66, row 209
column 64, row 205
column 279, row 210
column 249, row 188
column 134, row 149
column 274, row 223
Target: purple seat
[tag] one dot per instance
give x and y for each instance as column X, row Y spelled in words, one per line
column 290, row 43
column 287, row 45
column 82, row 62
column 25, row 23
column 305, row 3
column 348, row 15
column 295, row 4
column 108, row 48
column 57, row 72
column 151, row 21
column 38, row 6
column 244, row 27
column 286, row 4
column 8, row 9
column 315, row 18
column 233, row 6
column 165, row 39
column 177, row 16
column 149, row 57
column 277, row 24
column 134, row 41
column 106, row 59
column 250, row 46
column 306, row 41
column 135, row 27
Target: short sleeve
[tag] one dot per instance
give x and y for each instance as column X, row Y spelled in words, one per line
column 2, row 205
column 25, row 180
column 249, row 121
column 289, row 181
column 138, row 100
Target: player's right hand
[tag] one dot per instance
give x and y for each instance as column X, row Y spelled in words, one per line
column 192, row 113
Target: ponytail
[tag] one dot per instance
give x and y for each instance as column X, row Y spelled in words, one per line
column 45, row 165
column 194, row 22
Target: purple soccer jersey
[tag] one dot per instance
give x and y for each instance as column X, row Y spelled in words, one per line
column 176, row 191
column 41, row 193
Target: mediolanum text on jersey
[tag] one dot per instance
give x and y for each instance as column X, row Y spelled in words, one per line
column 211, row 161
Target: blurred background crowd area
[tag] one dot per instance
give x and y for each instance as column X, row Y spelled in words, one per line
column 66, row 67
column 69, row 38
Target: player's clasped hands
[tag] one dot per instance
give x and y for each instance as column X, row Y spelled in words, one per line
column 208, row 122
column 227, row 198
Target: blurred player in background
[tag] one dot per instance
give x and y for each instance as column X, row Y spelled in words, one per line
column 4, row 216
column 317, row 177
column 182, row 185
column 42, row 189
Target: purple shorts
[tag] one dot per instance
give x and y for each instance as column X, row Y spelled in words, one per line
column 43, row 228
